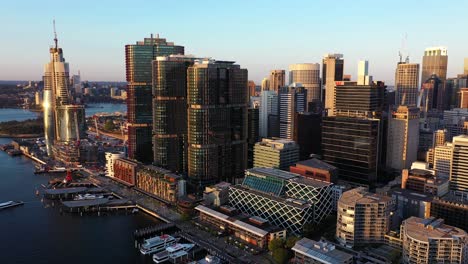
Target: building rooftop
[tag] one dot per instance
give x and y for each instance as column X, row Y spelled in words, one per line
column 316, row 163
column 323, row 251
column 271, row 172
column 311, row 182
column 431, row 228
column 362, row 196
column 300, row 204
column 413, row 195
column 277, row 143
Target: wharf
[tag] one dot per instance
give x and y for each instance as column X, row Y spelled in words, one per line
column 148, row 231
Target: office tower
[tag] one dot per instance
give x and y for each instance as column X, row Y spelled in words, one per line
column 406, row 84
column 359, row 100
column 363, row 217
column 170, row 112
column 434, row 61
column 265, row 84
column 217, row 122
column 426, row 137
column 431, row 241
column 442, row 159
column 70, row 123
column 454, row 121
column 268, row 107
column 459, row 167
column 440, row 137
column 277, row 79
column 291, row 101
column 285, row 199
column 332, row 70
column 315, row 169
column 307, row 74
column 452, row 209
column 276, row 153
column 433, row 94
column 465, row 66
column 310, row 251
column 352, row 145
column 253, row 117
column 251, row 87
column 363, row 73
column 463, row 98
column 138, row 64
column 308, row 133
column 403, row 137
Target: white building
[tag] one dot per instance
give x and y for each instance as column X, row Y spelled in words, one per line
column 442, row 159
column 459, row 166
column 268, row 106
column 110, row 159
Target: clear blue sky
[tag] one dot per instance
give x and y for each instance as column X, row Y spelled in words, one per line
column 259, row 35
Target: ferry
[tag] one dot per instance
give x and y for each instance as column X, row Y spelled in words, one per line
column 173, row 252
column 157, row 244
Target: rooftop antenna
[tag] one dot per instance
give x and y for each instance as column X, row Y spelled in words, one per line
column 55, row 36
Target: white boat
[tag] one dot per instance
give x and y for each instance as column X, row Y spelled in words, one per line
column 175, row 252
column 157, row 244
column 6, row 203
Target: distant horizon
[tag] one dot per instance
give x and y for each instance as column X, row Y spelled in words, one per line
column 361, row 29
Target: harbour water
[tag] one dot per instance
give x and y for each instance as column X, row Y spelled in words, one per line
column 35, row 233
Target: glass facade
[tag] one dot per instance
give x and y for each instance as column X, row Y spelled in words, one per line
column 217, row 122
column 138, row 59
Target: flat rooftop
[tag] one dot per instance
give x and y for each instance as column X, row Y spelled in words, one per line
column 361, row 196
column 431, row 228
column 311, row 182
column 271, row 172
column 325, row 252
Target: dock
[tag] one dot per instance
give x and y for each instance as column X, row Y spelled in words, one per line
column 12, row 204
column 151, row 230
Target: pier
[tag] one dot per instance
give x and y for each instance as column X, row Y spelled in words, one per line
column 151, row 230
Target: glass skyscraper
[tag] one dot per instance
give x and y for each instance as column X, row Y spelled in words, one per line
column 138, row 60
column 217, row 122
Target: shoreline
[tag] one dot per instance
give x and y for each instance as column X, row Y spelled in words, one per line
column 21, row 135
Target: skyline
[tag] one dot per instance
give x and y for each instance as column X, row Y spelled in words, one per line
column 245, row 32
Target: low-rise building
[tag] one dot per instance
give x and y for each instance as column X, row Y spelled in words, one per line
column 431, row 241
column 409, row 203
column 363, row 217
column 276, row 153
column 253, row 230
column 160, row 183
column 319, row 252
column 316, row 169
column 424, row 181
column 110, row 159
column 125, row 171
column 217, row 194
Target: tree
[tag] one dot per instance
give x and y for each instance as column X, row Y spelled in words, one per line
column 109, row 125
column 281, row 255
column 275, row 244
column 291, row 241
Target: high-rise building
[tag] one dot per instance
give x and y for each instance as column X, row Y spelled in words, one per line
column 332, row 70
column 463, row 98
column 406, row 84
column 363, row 217
column 363, row 73
column 442, row 159
column 454, row 121
column 359, row 100
column 459, row 165
column 433, row 94
column 403, row 138
column 275, row 153
column 265, row 84
column 352, row 145
column 440, row 137
column 217, row 122
column 431, row 241
column 465, row 66
column 291, row 101
column 308, row 133
column 268, row 107
column 434, row 62
column 170, row 112
column 252, row 137
column 307, row 74
column 251, row 87
column 277, row 79
column 138, row 61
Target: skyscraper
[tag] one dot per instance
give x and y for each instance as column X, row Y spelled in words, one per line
column 291, row 101
column 170, row 112
column 433, row 94
column 138, row 63
column 308, row 74
column 265, row 84
column 359, row 100
column 251, row 87
column 434, row 62
column 363, row 73
column 333, row 65
column 308, row 133
column 268, row 107
column 403, row 138
column 459, row 167
column 277, row 79
column 406, row 84
column 217, row 122
column 252, row 138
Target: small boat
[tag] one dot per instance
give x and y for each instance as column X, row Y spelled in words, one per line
column 8, row 204
column 174, row 252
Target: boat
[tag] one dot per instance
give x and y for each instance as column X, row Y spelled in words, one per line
column 157, row 244
column 8, row 204
column 174, row 252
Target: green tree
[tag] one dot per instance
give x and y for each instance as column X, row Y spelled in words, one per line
column 275, row 244
column 109, row 125
column 281, row 255
column 291, row 241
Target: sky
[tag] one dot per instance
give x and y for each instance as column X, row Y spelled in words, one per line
column 259, row 35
